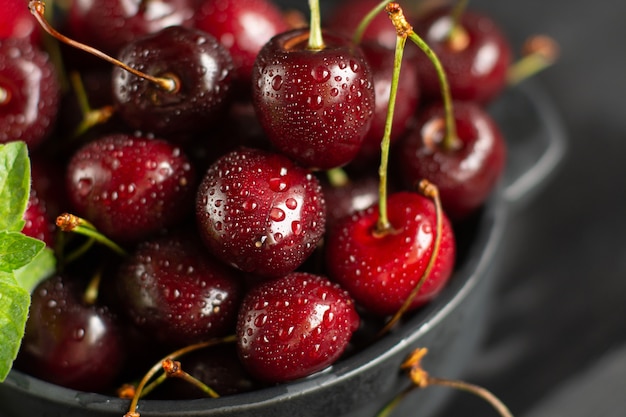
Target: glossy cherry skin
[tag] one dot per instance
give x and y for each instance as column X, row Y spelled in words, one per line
column 476, row 70
column 342, row 200
column 176, row 293
column 38, row 224
column 131, row 187
column 16, row 22
column 202, row 67
column 315, row 106
column 465, row 176
column 108, row 25
column 294, row 326
column 380, row 271
column 243, row 27
column 70, row 343
column 260, row 212
column 29, row 93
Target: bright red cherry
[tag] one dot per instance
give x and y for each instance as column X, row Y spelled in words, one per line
column 260, row 212
column 466, row 175
column 131, row 187
column 38, row 224
column 29, row 93
column 293, row 326
column 380, row 269
column 243, row 27
column 475, row 55
column 16, row 22
column 316, row 105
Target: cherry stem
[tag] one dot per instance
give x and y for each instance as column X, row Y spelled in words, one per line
column 91, row 117
column 450, row 140
column 383, row 224
column 159, row 366
column 421, row 379
column 316, row 41
column 70, row 223
column 431, row 191
column 365, row 22
column 38, row 8
column 90, row 296
column 455, row 28
column 539, row 52
column 173, row 369
column 337, row 177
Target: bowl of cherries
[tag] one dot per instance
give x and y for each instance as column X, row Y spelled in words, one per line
column 248, row 208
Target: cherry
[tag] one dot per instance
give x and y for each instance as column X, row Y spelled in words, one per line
column 38, row 224
column 314, row 102
column 474, row 53
column 380, row 268
column 293, row 326
column 344, row 199
column 108, row 25
column 201, row 71
column 243, row 27
column 173, row 291
column 260, row 212
column 68, row 342
column 29, row 93
column 17, row 23
column 466, row 174
column 130, row 187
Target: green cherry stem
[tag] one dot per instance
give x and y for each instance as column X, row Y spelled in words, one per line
column 337, row 177
column 5, row 97
column 70, row 223
column 316, row 41
column 455, row 16
column 173, row 369
column 365, row 22
column 138, row 392
column 383, row 225
column 450, row 140
column 538, row 53
column 91, row 117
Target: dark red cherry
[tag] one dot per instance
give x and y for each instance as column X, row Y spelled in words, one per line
column 243, row 27
column 68, row 342
column 465, row 176
column 315, row 105
column 38, row 223
column 380, row 270
column 200, row 68
column 29, row 93
column 131, row 187
column 16, row 22
column 475, row 58
column 293, row 326
column 342, row 200
column 381, row 62
column 260, row 212
column 108, row 25
column 176, row 293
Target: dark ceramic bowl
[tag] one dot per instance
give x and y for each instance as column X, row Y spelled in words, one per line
column 450, row 327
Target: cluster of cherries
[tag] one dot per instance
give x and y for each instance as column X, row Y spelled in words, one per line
column 231, row 154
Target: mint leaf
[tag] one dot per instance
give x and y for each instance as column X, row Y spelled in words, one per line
column 40, row 268
column 17, row 250
column 14, row 303
column 14, row 185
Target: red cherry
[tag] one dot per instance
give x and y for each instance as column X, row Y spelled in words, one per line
column 38, row 223
column 16, row 22
column 464, row 176
column 260, row 212
column 315, row 105
column 131, row 187
column 475, row 58
column 243, row 27
column 380, row 270
column 29, row 93
column 294, row 326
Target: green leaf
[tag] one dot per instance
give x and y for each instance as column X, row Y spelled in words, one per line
column 40, row 268
column 14, row 185
column 17, row 250
column 14, row 304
